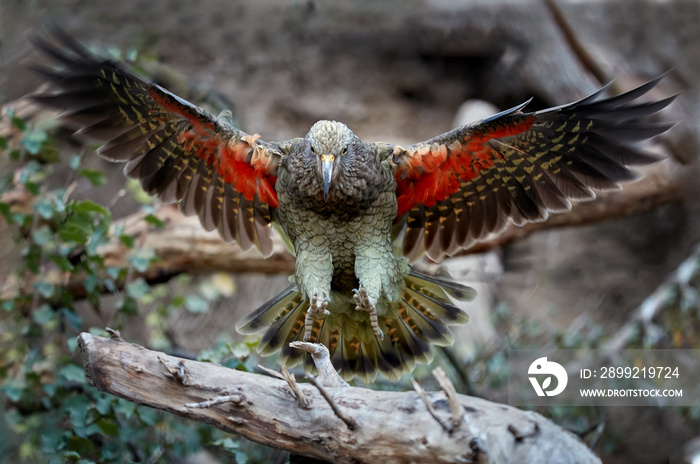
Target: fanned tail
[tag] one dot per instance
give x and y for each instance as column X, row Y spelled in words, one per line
column 281, row 319
column 420, row 319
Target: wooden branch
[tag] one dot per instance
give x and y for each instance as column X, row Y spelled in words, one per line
column 389, row 427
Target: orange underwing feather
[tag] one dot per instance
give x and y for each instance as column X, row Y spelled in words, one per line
column 433, row 172
column 230, row 156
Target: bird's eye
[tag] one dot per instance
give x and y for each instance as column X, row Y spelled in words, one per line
column 345, row 150
column 313, row 150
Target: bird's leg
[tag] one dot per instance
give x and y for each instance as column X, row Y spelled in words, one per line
column 313, row 274
column 317, row 309
column 365, row 303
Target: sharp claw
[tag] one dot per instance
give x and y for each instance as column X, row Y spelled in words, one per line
column 364, row 304
column 317, row 310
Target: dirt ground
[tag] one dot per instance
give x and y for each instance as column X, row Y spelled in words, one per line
column 398, row 71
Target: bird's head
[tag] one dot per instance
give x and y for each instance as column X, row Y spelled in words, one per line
column 331, row 144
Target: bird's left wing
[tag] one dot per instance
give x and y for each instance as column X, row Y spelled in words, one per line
column 177, row 150
column 461, row 186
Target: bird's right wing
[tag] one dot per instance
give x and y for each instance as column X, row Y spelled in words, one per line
column 177, row 150
column 459, row 187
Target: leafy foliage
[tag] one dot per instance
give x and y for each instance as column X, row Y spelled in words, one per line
column 48, row 412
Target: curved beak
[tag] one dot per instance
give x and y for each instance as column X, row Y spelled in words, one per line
column 327, row 170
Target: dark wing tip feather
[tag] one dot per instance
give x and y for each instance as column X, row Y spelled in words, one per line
column 508, row 112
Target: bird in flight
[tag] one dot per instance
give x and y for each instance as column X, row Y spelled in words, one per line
column 342, row 203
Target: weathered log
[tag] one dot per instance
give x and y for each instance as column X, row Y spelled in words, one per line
column 379, row 426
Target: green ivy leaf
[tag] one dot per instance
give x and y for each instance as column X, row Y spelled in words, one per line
column 91, row 282
column 155, row 221
column 74, row 320
column 127, row 240
column 32, row 257
column 62, row 262
column 196, row 304
column 124, row 407
column 208, row 290
column 96, row 239
column 43, row 314
column 33, row 140
column 148, row 416
column 59, row 204
column 103, row 404
column 19, row 123
column 74, row 162
column 226, row 443
column 6, row 213
column 110, row 285
column 80, row 444
column 108, row 426
column 72, row 344
column 32, row 187
column 114, row 271
column 137, row 288
column 45, row 289
column 72, row 373
column 29, row 169
column 76, row 229
column 128, row 306
column 94, row 176
column 88, row 206
column 12, row 392
column 44, row 208
column 142, row 258
column 42, row 235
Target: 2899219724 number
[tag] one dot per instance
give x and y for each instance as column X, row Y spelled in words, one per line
column 639, row 372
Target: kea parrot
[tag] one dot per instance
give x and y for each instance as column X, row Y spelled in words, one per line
column 342, row 204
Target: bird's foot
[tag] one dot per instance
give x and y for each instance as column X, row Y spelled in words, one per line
column 364, row 303
column 317, row 310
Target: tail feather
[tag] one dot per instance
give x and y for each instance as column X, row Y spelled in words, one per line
column 389, row 362
column 360, row 360
column 283, row 331
column 411, row 344
column 411, row 326
column 282, row 319
column 269, row 312
column 426, row 322
column 290, row 356
column 438, row 287
column 445, row 312
column 340, row 357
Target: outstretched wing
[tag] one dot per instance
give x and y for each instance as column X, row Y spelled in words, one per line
column 457, row 188
column 178, row 151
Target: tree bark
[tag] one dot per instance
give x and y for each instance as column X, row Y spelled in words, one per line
column 363, row 426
